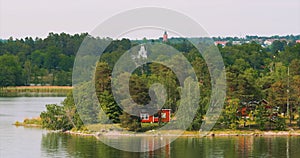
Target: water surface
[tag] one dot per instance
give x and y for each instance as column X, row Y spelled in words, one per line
column 18, row 142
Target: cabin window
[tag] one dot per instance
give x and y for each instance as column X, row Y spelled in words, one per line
column 163, row 115
column 144, row 116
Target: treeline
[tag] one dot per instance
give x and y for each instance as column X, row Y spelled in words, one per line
column 46, row 61
column 291, row 38
column 264, row 82
column 255, row 74
column 270, row 77
column 39, row 61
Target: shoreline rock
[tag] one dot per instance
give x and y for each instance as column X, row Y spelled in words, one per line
column 225, row 133
column 209, row 134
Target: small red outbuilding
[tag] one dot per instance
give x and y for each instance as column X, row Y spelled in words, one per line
column 164, row 114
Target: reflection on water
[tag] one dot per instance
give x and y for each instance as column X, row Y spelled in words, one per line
column 136, row 143
column 18, row 142
column 62, row 145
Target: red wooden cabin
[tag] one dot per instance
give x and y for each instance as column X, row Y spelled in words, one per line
column 251, row 106
column 165, row 115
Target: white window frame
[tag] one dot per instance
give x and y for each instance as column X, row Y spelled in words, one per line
column 144, row 116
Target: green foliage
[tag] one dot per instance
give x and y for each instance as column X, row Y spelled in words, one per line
column 33, row 121
column 132, row 123
column 149, row 126
column 104, row 94
column 102, row 77
column 54, row 118
column 190, row 101
column 10, row 71
column 267, row 117
column 64, row 117
column 280, row 123
column 71, row 112
column 39, row 61
column 87, row 106
column 262, row 115
column 278, row 46
column 298, row 120
column 253, row 72
column 230, row 116
column 110, row 107
column 165, row 76
column 138, row 90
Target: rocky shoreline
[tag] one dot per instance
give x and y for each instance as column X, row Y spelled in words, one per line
column 259, row 133
column 171, row 133
column 193, row 134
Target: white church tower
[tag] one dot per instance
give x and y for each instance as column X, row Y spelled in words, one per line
column 142, row 52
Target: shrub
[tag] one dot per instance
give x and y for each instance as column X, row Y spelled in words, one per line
column 132, row 123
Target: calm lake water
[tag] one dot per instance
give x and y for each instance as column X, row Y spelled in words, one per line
column 18, row 142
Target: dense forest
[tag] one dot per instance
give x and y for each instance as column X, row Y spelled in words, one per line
column 265, row 80
column 38, row 61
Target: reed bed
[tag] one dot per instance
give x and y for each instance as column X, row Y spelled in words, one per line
column 35, row 91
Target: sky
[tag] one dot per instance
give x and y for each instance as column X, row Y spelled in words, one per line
column 36, row 18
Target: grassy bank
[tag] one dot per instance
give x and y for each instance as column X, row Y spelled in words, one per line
column 115, row 130
column 34, row 91
column 30, row 122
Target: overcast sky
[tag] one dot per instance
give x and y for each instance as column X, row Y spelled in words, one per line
column 36, row 18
